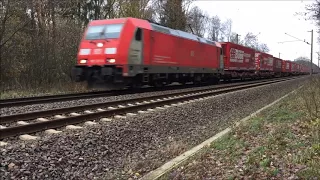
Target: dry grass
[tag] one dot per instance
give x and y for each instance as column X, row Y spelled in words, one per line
column 283, row 142
column 59, row 89
column 311, row 97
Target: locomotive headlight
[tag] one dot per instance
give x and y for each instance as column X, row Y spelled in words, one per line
column 83, row 61
column 110, row 50
column 111, row 60
column 84, row 51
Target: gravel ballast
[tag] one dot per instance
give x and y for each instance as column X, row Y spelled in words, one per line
column 134, row 146
column 82, row 102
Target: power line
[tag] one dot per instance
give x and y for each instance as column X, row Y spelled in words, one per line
column 297, row 38
column 287, row 41
column 311, row 44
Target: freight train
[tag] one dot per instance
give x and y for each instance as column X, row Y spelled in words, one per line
column 131, row 52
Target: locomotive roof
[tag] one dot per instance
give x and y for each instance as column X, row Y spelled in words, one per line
column 183, row 34
column 146, row 24
column 108, row 21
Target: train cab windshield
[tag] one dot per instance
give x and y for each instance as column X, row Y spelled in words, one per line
column 107, row 31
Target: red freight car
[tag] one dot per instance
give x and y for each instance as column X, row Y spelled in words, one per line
column 294, row 68
column 298, row 68
column 264, row 64
column 238, row 61
column 305, row 69
column 277, row 66
column 286, row 67
column 302, row 69
column 133, row 52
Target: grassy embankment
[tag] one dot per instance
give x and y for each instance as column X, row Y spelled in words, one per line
column 282, row 142
column 61, row 89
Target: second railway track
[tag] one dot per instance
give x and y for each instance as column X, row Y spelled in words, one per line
column 75, row 96
column 76, row 115
column 12, row 102
column 51, row 98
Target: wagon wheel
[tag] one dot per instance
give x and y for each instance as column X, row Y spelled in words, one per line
column 135, row 85
column 158, row 84
column 197, row 80
column 183, row 83
column 214, row 80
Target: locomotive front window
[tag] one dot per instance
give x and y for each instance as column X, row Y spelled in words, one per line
column 109, row 31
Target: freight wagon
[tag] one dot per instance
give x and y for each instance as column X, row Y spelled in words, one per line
column 294, row 68
column 286, row 68
column 264, row 64
column 305, row 69
column 238, row 61
column 277, row 66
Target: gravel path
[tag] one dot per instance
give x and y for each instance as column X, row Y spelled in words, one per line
column 134, row 146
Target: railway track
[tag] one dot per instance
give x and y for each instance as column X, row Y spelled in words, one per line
column 56, row 118
column 75, row 96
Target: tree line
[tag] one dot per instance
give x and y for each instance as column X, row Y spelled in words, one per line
column 39, row 38
column 312, row 12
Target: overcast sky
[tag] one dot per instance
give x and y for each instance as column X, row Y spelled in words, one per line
column 272, row 19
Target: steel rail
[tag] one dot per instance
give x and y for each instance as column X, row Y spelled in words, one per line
column 51, row 112
column 39, row 126
column 75, row 96
column 50, row 98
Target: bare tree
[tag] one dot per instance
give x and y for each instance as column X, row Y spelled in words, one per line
column 233, row 38
column 263, row 47
column 306, row 62
column 198, row 21
column 215, row 29
column 250, row 40
column 139, row 9
column 9, row 13
column 227, row 29
column 302, row 58
column 314, row 10
column 171, row 13
column 312, row 13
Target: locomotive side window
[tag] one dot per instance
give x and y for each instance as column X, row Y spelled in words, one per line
column 138, row 35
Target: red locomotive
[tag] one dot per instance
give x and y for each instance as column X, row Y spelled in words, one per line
column 130, row 52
